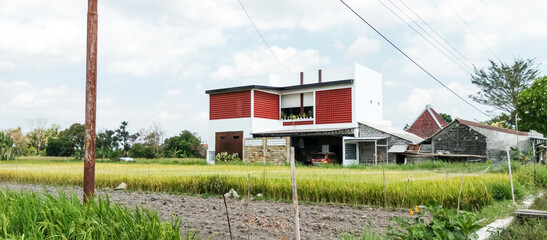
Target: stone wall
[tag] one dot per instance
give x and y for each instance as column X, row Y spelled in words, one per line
column 366, row 131
column 274, row 150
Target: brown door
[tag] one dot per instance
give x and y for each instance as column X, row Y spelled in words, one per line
column 230, row 142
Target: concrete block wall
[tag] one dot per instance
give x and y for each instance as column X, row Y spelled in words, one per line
column 274, row 150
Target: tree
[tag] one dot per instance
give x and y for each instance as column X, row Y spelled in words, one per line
column 75, row 134
column 107, row 145
column 21, row 146
column 69, row 142
column 501, row 84
column 186, row 144
column 125, row 138
column 6, row 147
column 532, row 106
column 447, row 118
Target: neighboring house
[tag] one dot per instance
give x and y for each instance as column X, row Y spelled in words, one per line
column 255, row 121
column 428, row 123
column 464, row 139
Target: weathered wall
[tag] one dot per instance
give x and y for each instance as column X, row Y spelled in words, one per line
column 266, row 150
column 368, row 148
column 497, row 143
column 459, row 139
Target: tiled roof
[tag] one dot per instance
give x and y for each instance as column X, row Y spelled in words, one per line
column 481, row 125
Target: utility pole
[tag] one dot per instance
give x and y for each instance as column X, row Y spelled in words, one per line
column 90, row 100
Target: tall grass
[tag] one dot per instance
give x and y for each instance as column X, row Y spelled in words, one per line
column 45, row 216
column 335, row 185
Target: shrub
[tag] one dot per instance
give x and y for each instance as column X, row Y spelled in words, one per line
column 444, row 225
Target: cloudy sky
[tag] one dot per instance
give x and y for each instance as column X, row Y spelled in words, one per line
column 156, row 58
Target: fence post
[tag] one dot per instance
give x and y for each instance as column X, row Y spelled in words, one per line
column 460, row 195
column 227, row 215
column 248, row 200
column 404, row 194
column 295, row 197
column 510, row 175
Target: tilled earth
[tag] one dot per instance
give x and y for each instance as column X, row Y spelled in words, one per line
column 266, row 219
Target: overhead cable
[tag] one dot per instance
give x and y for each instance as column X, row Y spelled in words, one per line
column 264, row 40
column 469, row 27
column 412, row 60
column 461, row 64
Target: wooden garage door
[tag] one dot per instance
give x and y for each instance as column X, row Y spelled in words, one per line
column 230, row 142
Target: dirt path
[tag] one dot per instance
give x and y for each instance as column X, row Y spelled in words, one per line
column 269, row 220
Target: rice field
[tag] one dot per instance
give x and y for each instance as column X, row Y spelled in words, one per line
column 323, row 185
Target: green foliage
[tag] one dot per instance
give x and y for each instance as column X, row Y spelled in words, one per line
column 502, row 190
column 45, row 216
column 532, row 106
column 444, row 225
column 186, row 144
column 107, row 145
column 503, row 120
column 141, row 150
column 225, row 157
column 447, row 118
column 6, row 147
column 525, row 176
column 60, row 147
column 125, row 138
column 500, row 85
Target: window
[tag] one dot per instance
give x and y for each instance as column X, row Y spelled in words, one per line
column 235, row 137
column 222, row 137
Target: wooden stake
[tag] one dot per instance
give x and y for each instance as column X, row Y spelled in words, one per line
column 247, row 207
column 444, row 189
column 511, row 175
column 404, row 194
column 384, row 173
column 295, row 197
column 227, row 216
column 460, row 195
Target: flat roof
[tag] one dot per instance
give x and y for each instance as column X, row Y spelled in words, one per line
column 263, row 87
column 306, row 132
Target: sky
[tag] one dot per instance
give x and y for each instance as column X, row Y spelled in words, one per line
column 157, row 58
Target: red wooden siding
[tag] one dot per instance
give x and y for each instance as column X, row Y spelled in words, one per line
column 333, row 106
column 266, row 105
column 230, row 105
column 297, row 123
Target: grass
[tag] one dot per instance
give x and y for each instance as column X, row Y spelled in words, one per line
column 527, row 228
column 359, row 185
column 45, row 216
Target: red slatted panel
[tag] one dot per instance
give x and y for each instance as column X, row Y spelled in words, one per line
column 333, row 106
column 298, row 123
column 230, row 105
column 266, row 105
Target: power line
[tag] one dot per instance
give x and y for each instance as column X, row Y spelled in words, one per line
column 264, row 40
column 412, row 60
column 425, row 38
column 469, row 27
column 436, row 33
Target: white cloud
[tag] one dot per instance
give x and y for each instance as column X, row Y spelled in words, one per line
column 261, row 61
column 363, row 47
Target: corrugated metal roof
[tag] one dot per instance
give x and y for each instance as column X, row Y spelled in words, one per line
column 480, row 125
column 398, row 148
column 395, row 132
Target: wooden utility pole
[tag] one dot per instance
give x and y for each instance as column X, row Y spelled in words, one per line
column 90, row 100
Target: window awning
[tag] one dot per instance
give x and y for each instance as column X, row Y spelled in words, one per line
column 398, row 148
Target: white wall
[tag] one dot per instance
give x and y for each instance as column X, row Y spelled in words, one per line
column 227, row 125
column 368, row 105
column 293, row 100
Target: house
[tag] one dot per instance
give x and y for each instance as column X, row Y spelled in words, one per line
column 467, row 140
column 428, row 123
column 324, row 115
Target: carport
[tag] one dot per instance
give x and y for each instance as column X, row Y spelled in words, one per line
column 365, row 150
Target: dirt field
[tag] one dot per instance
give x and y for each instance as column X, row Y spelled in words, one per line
column 268, row 220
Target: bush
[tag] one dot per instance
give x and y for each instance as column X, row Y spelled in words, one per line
column 225, row 157
column 139, row 150
column 502, row 190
